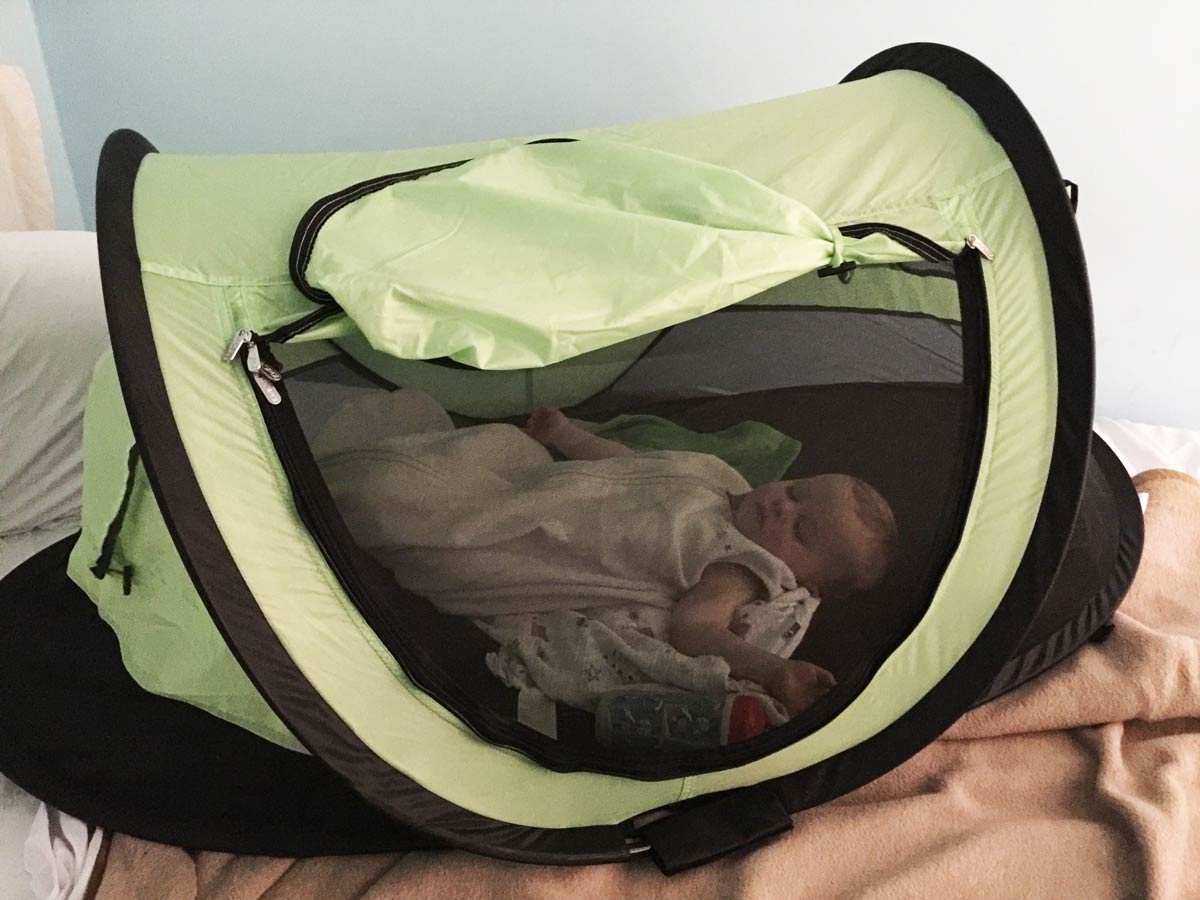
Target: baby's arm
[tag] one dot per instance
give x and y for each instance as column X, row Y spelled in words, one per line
column 700, row 627
column 550, row 428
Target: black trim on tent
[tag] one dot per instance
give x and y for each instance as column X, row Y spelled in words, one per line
column 323, row 209
column 1105, row 473
column 1014, row 129
column 225, row 593
column 80, row 734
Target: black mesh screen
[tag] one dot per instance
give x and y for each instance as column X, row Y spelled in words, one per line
column 880, row 395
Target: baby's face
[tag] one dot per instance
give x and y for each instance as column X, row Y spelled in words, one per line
column 814, row 527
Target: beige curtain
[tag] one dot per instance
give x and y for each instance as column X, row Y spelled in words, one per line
column 26, row 200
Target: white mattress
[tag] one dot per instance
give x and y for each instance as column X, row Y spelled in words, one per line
column 25, row 833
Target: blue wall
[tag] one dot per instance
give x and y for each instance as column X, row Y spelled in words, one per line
column 1114, row 92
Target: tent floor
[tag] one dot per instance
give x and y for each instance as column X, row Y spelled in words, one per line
column 81, row 735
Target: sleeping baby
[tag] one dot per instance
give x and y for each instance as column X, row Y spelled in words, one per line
column 486, row 524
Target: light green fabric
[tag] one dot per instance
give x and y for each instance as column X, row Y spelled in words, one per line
column 758, row 451
column 169, row 643
column 499, row 394
column 538, row 253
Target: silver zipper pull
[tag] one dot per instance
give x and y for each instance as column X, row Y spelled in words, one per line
column 256, row 366
column 975, row 242
column 236, row 343
column 267, row 388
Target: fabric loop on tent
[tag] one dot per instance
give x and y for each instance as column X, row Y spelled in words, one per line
column 103, row 565
column 838, row 250
column 1072, row 193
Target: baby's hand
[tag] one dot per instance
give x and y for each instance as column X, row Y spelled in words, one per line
column 547, row 425
column 798, row 685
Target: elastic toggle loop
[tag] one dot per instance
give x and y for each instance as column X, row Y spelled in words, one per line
column 103, row 564
column 837, row 254
column 838, row 264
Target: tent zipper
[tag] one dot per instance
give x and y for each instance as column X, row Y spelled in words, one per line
column 264, row 370
column 915, row 241
column 975, row 242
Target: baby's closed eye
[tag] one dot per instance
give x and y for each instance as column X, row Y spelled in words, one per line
column 804, row 530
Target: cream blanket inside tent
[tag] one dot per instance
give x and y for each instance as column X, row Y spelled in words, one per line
column 571, row 566
column 26, row 201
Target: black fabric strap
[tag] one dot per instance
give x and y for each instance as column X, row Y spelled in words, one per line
column 716, row 826
column 103, row 564
column 1072, row 193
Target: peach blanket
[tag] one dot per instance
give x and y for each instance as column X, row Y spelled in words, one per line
column 1082, row 784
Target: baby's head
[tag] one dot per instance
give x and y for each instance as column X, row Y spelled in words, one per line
column 835, row 532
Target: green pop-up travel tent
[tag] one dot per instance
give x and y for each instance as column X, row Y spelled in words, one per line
column 885, row 273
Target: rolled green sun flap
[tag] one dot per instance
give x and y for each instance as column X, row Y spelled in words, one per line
column 541, row 252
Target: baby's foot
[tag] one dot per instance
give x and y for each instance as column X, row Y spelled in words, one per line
column 798, row 685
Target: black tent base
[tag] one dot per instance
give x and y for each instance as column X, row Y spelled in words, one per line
column 81, row 735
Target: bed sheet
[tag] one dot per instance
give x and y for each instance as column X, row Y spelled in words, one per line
column 1140, row 446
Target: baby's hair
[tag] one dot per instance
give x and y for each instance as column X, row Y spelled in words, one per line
column 876, row 513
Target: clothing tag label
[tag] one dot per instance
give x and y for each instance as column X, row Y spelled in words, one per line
column 537, row 711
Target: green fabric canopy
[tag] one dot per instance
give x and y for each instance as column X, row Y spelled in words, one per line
column 541, row 252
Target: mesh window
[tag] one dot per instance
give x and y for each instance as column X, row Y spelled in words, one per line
column 878, row 378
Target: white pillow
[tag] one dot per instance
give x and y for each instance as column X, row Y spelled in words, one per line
column 52, row 331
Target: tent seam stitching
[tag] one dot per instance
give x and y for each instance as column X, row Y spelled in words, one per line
column 928, row 200
column 171, row 272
